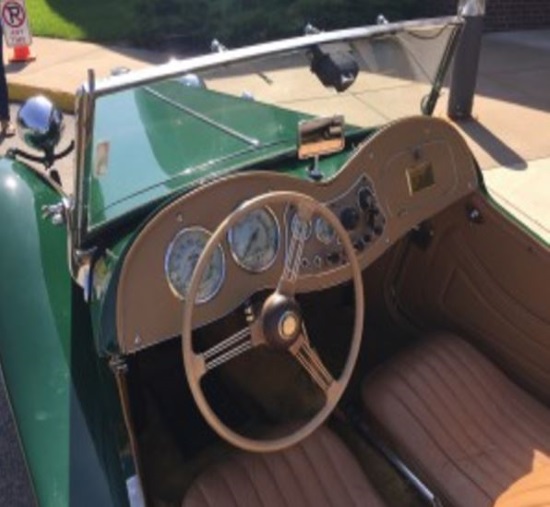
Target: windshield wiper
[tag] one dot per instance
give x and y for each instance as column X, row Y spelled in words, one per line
column 428, row 103
column 220, row 126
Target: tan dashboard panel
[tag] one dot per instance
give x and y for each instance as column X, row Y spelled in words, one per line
column 412, row 169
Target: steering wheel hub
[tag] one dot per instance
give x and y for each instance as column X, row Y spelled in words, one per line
column 289, row 325
column 282, row 320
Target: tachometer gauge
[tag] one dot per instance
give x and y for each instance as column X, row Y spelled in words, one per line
column 181, row 258
column 254, row 240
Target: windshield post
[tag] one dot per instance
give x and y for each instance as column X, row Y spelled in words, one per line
column 84, row 119
column 464, row 77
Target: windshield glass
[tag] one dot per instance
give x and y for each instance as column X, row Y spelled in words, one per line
column 151, row 138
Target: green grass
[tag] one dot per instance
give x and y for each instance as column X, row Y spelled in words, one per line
column 96, row 20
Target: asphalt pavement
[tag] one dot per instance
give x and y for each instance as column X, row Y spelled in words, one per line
column 15, row 488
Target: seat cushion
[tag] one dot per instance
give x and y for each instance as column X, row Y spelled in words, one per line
column 459, row 421
column 320, row 471
column 532, row 490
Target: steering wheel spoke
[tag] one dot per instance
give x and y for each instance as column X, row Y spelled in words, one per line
column 307, row 356
column 226, row 350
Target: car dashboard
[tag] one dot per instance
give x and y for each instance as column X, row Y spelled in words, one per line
column 399, row 177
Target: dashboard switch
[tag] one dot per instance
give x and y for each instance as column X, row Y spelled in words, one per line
column 359, row 245
column 349, row 218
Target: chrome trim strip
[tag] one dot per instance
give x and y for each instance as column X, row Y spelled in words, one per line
column 176, row 67
column 84, row 109
column 353, row 416
column 423, row 490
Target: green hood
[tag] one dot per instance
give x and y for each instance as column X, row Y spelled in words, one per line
column 153, row 140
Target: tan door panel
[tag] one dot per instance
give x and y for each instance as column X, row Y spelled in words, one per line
column 489, row 280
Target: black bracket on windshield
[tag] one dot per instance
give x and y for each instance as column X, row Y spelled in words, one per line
column 336, row 69
column 47, row 160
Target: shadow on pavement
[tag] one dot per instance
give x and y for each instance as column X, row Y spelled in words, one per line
column 494, row 146
column 514, row 66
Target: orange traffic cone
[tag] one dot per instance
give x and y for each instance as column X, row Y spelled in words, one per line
column 22, row 54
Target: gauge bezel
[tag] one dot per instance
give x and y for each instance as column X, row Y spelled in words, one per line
column 318, row 237
column 169, row 250
column 231, row 241
column 309, row 225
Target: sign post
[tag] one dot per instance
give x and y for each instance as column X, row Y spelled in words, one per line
column 15, row 26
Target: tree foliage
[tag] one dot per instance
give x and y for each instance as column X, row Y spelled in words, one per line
column 239, row 22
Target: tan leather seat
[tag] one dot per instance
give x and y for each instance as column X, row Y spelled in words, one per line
column 473, row 435
column 319, row 472
column 532, row 490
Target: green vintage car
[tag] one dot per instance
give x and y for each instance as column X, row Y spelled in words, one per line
column 278, row 280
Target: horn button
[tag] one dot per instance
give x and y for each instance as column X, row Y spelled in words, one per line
column 282, row 320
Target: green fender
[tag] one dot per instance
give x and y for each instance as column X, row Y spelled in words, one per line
column 62, row 395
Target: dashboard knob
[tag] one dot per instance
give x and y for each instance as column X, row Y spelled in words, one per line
column 359, row 245
column 366, row 199
column 367, row 237
column 334, row 258
column 349, row 218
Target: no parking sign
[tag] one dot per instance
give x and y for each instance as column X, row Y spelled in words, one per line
column 15, row 23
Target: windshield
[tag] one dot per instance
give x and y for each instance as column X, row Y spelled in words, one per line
column 160, row 131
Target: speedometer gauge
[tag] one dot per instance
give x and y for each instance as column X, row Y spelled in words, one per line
column 181, row 258
column 254, row 240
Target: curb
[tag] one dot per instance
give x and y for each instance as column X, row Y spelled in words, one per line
column 18, row 92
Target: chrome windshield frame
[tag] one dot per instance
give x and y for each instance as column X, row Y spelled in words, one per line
column 175, row 68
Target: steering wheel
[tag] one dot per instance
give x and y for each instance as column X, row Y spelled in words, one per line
column 279, row 324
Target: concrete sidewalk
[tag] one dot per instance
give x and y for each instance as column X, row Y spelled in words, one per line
column 61, row 67
column 509, row 134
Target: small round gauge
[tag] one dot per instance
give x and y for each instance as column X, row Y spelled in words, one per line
column 324, row 232
column 181, row 258
column 254, row 240
column 300, row 228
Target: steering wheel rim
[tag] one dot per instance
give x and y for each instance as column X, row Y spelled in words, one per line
column 194, row 363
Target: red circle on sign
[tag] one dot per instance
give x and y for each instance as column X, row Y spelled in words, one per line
column 13, row 14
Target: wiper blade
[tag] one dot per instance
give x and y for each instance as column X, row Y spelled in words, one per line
column 220, row 126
